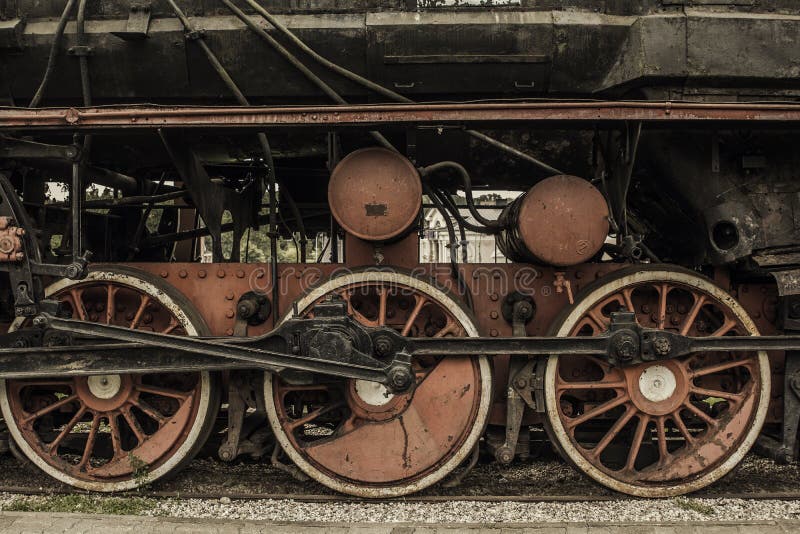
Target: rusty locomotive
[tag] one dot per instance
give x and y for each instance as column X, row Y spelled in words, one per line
column 212, row 214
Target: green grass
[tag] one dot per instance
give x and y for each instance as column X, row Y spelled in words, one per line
column 86, row 504
column 694, row 505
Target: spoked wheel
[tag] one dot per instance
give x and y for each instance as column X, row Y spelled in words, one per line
column 661, row 428
column 356, row 437
column 115, row 432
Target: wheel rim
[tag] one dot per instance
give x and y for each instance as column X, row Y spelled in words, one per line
column 353, row 436
column 658, row 428
column 112, row 432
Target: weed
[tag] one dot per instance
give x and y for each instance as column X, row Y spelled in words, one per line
column 87, row 504
column 693, row 505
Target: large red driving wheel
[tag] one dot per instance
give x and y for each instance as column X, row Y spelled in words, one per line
column 117, row 431
column 659, row 428
column 356, row 437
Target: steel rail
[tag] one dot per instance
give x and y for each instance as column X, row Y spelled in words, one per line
column 338, row 498
column 367, row 115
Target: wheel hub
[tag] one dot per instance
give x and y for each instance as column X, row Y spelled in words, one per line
column 105, row 393
column 372, row 393
column 104, row 386
column 657, row 383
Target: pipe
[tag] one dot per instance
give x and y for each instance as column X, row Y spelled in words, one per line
column 51, row 59
column 377, row 88
column 454, row 270
column 467, row 181
column 299, row 218
column 444, row 197
column 291, row 58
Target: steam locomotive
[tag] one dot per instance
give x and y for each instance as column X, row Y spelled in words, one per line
column 212, row 212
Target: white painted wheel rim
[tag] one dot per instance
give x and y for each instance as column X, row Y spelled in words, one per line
column 180, row 453
column 444, row 469
column 559, row 432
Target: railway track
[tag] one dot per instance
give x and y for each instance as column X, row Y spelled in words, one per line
column 328, row 498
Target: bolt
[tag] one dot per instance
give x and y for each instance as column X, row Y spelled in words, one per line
column 229, row 295
column 220, row 274
column 182, row 273
column 400, row 379
column 383, row 346
column 493, row 315
column 239, row 273
column 40, row 322
column 493, row 297
column 504, row 455
column 494, row 333
column 229, row 314
column 201, row 274
column 164, row 274
column 520, row 383
column 624, row 346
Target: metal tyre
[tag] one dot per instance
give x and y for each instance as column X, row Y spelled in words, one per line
column 665, row 428
column 355, row 437
column 115, row 432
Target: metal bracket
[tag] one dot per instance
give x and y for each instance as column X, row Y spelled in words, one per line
column 80, row 51
column 11, row 148
column 138, row 23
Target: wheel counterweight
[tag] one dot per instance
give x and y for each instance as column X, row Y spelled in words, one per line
column 661, row 428
column 114, row 432
column 356, row 437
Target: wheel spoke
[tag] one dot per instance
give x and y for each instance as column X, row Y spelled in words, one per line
column 140, row 312
column 661, row 435
column 598, row 449
column 383, row 295
column 67, row 429
column 134, row 425
column 691, row 316
column 164, row 392
column 678, row 420
column 726, row 327
column 627, row 297
column 173, row 324
column 310, row 416
column 111, row 298
column 598, row 410
column 420, row 301
column 636, row 444
column 77, row 302
column 49, row 408
column 150, row 411
column 710, row 421
column 719, row 367
column 116, row 439
column 450, row 327
column 704, row 392
column 662, row 305
column 90, row 439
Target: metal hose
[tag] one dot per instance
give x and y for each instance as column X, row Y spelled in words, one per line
column 291, row 58
column 51, row 59
column 388, row 93
column 467, row 182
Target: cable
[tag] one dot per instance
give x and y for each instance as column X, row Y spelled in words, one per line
column 451, row 233
column 377, row 88
column 444, row 197
column 467, row 182
column 51, row 59
column 291, row 58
